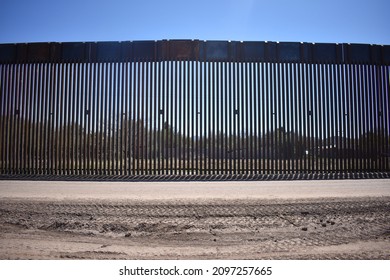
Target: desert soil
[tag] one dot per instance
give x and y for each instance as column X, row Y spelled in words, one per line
column 344, row 219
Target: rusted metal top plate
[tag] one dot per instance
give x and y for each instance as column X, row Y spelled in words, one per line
column 178, row 50
column 108, row 51
column 325, row 53
column 73, row 52
column 7, row 53
column 195, row 50
column 215, row 51
column 253, row 51
column 386, row 55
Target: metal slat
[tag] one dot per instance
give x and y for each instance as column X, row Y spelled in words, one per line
column 84, row 118
column 316, row 117
column 203, row 118
column 93, row 111
column 328, row 118
column 29, row 143
column 26, row 116
column 350, row 122
column 241, row 116
column 17, row 120
column 104, row 130
column 311, row 161
column 12, row 116
column 61, row 128
column 135, row 129
column 149, row 115
column 361, row 113
column 306, row 116
column 332, row 124
column 343, row 118
column 89, row 111
column 51, row 119
column 197, row 117
column 230, row 115
column 160, row 123
column 191, row 118
column 340, row 117
column 247, row 123
column 10, row 119
column 163, row 122
column 368, row 145
column 117, row 118
column 255, row 111
column 78, row 107
column 226, row 119
column 100, row 137
column 381, row 122
column 297, row 151
column 355, row 122
column 333, row 118
column 274, row 118
column 109, row 98
column 211, row 102
column 170, row 105
column 386, row 115
column 265, row 115
column 374, row 123
column 34, row 119
column 209, row 118
column 110, row 119
column 285, row 121
column 141, row 113
column 57, row 117
column 279, row 134
column 101, row 121
column 187, row 118
column 23, row 119
column 5, row 113
column 79, row 120
column 215, row 121
column 178, row 118
column 130, row 119
column 288, row 118
column 45, row 117
column 269, row 116
column 179, row 122
column 71, row 118
column 65, row 124
column 156, row 155
column 298, row 116
column 322, row 120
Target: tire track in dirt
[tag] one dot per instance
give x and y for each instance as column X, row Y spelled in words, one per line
column 267, row 227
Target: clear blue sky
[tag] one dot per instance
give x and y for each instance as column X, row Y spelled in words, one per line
column 338, row 21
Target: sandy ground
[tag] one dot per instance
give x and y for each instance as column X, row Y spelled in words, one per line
column 342, row 219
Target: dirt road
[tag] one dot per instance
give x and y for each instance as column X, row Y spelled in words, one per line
column 227, row 220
